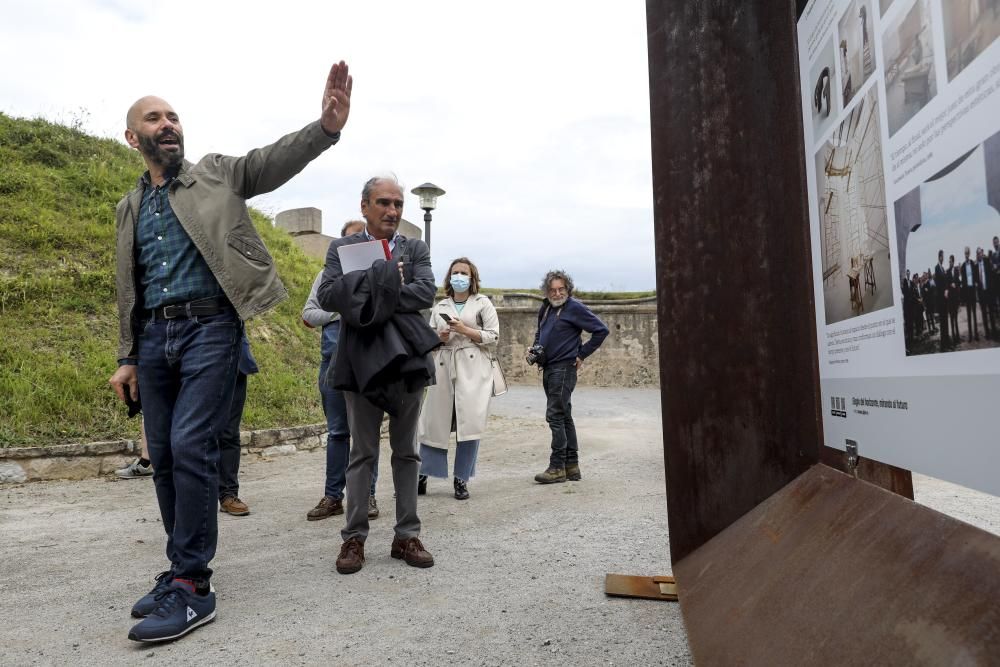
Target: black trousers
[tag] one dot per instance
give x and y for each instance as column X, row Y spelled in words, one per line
column 229, row 443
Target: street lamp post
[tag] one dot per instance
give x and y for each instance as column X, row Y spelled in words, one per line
column 428, row 193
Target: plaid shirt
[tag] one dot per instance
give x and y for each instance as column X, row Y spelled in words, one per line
column 170, row 268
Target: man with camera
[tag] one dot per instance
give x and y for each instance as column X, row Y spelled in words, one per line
column 559, row 351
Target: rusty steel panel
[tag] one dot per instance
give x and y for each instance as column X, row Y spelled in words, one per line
column 736, row 312
column 737, row 338
column 833, row 571
column 650, row 588
column 889, row 477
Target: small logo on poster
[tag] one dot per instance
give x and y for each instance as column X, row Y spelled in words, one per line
column 838, row 406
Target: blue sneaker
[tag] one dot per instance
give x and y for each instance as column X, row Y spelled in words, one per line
column 147, row 603
column 179, row 610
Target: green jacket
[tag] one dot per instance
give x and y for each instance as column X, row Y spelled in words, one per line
column 209, row 200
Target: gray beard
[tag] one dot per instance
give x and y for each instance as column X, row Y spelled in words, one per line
column 558, row 303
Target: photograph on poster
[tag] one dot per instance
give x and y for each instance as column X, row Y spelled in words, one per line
column 854, row 233
column 857, row 52
column 909, row 64
column 969, row 27
column 948, row 232
column 824, row 99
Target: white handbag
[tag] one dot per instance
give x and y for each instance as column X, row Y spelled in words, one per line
column 499, row 380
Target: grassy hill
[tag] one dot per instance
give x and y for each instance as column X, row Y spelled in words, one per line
column 58, row 320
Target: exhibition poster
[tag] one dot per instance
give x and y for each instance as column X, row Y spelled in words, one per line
column 901, row 125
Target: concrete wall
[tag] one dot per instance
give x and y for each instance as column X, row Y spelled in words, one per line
column 628, row 357
column 82, row 461
column 308, row 220
column 305, row 225
column 410, row 230
column 314, row 245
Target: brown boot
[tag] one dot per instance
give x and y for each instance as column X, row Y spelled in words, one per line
column 324, row 508
column 412, row 551
column 352, row 556
column 551, row 475
column 573, row 472
column 233, row 505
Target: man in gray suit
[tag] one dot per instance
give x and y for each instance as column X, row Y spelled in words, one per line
column 383, row 365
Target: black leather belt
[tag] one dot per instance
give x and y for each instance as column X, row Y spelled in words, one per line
column 210, row 306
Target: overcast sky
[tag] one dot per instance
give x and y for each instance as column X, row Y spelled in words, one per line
column 954, row 214
column 533, row 116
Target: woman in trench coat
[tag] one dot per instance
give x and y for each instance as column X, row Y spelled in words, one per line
column 459, row 402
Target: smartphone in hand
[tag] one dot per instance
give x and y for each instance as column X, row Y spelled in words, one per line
column 446, row 317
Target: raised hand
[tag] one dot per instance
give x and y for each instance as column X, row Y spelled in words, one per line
column 336, row 99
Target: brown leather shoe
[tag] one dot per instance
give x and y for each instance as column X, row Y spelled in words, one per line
column 326, row 507
column 573, row 472
column 352, row 556
column 551, row 476
column 233, row 505
column 412, row 551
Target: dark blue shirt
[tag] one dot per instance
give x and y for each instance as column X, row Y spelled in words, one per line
column 169, row 267
column 559, row 331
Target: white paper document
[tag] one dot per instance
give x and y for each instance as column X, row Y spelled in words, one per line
column 360, row 256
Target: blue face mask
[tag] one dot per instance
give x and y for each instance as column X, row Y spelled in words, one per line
column 459, row 283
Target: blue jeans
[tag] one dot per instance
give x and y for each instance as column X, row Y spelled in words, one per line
column 187, row 370
column 434, row 460
column 338, row 437
column 559, row 381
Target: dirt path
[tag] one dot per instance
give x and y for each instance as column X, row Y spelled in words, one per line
column 518, row 579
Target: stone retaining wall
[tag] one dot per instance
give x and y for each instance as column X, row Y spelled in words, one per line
column 628, row 358
column 82, row 461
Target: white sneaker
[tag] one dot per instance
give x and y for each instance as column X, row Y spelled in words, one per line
column 134, row 470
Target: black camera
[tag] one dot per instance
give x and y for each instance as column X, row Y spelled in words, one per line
column 536, row 355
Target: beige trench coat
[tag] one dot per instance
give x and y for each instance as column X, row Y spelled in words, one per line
column 464, row 375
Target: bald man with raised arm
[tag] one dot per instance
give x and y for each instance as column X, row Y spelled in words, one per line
column 190, row 269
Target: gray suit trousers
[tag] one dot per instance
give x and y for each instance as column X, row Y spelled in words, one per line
column 366, row 421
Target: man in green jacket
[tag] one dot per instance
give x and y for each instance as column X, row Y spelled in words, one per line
column 190, row 269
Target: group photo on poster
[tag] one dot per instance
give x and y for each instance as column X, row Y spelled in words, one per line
column 854, row 234
column 948, row 232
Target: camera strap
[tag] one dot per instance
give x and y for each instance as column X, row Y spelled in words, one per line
column 546, row 313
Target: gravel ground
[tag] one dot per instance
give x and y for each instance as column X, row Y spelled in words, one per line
column 519, row 568
column 518, row 579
